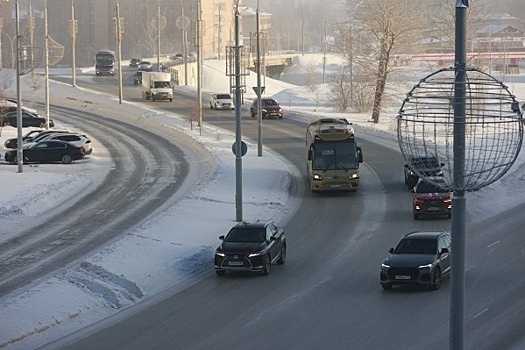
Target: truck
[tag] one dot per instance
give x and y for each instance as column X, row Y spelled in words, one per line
column 157, row 86
column 333, row 156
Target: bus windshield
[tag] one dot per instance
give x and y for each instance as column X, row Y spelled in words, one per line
column 105, row 61
column 334, row 156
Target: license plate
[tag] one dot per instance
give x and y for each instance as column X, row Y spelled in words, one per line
column 402, row 277
column 335, row 186
column 433, row 209
column 235, row 263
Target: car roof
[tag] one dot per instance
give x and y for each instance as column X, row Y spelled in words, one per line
column 420, row 158
column 425, row 234
column 257, row 224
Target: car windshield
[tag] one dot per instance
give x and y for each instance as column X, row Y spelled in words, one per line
column 224, row 97
column 425, row 163
column 416, row 246
column 269, row 103
column 246, row 235
column 427, row 187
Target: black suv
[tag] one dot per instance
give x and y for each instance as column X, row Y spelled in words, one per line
column 134, row 62
column 420, row 257
column 421, row 165
column 251, row 247
column 137, row 78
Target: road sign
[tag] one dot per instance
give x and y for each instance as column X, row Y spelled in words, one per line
column 256, row 90
column 182, row 22
column 244, row 148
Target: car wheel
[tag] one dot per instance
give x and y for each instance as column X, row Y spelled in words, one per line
column 387, row 286
column 66, row 159
column 282, row 256
column 220, row 272
column 267, row 266
column 436, row 279
column 211, row 107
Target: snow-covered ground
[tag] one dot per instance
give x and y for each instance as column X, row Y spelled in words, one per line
column 160, row 254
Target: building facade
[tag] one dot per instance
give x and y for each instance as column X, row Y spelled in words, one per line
column 95, row 23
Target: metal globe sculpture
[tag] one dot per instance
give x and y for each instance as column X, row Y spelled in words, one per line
column 493, row 127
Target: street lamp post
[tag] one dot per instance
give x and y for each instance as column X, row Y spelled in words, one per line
column 19, row 152
column 199, row 63
column 259, row 87
column 1, row 28
column 12, row 39
column 351, row 58
column 183, row 25
column 73, row 33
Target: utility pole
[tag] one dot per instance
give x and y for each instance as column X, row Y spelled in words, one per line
column 199, row 63
column 73, row 32
column 119, row 52
column 259, row 87
column 46, row 65
column 19, row 151
column 158, row 36
column 238, row 133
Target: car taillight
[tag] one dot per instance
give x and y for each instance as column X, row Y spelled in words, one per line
column 80, row 149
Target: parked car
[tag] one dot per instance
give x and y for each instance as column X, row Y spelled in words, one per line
column 47, row 152
column 270, row 108
column 13, row 142
column 8, row 104
column 432, row 196
column 221, row 101
column 28, row 119
column 137, row 78
column 251, row 247
column 145, row 66
column 425, row 165
column 75, row 139
column 134, row 62
column 420, row 257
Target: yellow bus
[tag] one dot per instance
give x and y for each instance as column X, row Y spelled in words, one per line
column 333, row 155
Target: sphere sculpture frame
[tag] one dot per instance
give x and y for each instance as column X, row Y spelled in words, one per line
column 493, row 126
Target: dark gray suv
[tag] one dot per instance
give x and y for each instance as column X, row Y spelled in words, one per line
column 421, row 165
column 420, row 257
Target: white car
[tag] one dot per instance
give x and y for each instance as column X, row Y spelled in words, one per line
column 75, row 139
column 222, row 101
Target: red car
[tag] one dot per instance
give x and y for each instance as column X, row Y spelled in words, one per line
column 270, row 108
column 432, row 198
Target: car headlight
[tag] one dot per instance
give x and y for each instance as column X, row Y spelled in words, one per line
column 427, row 266
column 254, row 254
column 385, row 266
column 317, row 177
column 220, row 253
column 354, row 176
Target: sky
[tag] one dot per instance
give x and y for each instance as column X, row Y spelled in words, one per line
column 116, row 276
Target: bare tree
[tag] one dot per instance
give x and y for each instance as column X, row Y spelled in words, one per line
column 340, row 90
column 394, row 27
column 311, row 79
